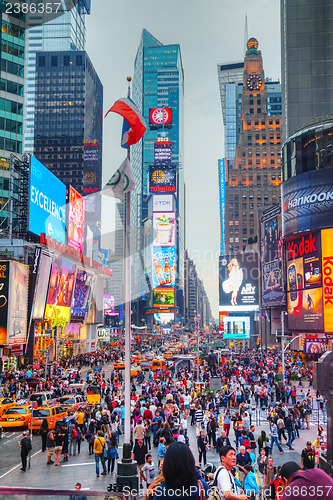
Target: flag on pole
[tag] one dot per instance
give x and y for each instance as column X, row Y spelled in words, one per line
column 134, row 125
column 121, row 182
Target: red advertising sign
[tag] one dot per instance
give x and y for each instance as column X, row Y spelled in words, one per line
column 159, row 117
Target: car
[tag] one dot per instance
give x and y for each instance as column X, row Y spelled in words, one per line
column 43, row 398
column 168, row 355
column 5, row 403
column 157, row 364
column 17, row 416
column 52, row 414
column 119, row 365
column 72, row 402
column 145, row 365
column 34, row 381
column 135, row 370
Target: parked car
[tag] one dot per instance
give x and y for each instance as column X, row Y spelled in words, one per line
column 17, row 416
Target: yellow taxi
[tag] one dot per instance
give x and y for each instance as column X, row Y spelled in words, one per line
column 157, row 364
column 6, row 403
column 119, row 365
column 52, row 414
column 135, row 370
column 16, row 416
column 168, row 355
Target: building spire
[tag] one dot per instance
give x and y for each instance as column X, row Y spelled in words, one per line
column 246, row 34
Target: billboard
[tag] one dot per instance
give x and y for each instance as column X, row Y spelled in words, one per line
column 82, row 292
column 59, row 299
column 222, row 202
column 164, row 266
column 164, row 229
column 17, row 303
column 108, row 305
column 307, row 201
column 162, row 153
column 164, row 297
column 162, row 318
column 42, row 267
column 104, row 334
column 236, row 327
column 315, row 346
column 92, row 159
column 160, row 117
column 271, row 252
column 75, row 220
column 162, row 179
column 239, row 282
column 47, row 202
column 163, row 203
column 4, row 288
column 327, row 270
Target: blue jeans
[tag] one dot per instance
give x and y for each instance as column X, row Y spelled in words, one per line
column 99, row 456
column 275, row 440
column 291, row 438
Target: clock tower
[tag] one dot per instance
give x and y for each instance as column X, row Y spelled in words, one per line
column 253, row 80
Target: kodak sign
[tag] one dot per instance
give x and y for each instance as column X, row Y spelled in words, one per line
column 327, row 263
column 303, row 246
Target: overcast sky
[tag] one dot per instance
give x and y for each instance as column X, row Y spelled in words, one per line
column 209, row 32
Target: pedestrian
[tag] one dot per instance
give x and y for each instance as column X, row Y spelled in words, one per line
column 90, row 436
column 202, row 448
column 25, row 446
column 269, row 472
column 161, row 450
column 100, row 452
column 274, row 438
column 148, row 471
column 226, row 422
column 59, row 438
column 112, row 452
column 224, row 479
column 243, row 458
column 78, row 487
column 139, row 455
column 308, row 457
column 43, row 431
column 250, row 482
column 199, row 418
column 314, row 482
column 50, row 447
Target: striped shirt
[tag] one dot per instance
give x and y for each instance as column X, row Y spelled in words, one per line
column 199, row 415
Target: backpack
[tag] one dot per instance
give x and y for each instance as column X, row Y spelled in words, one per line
column 213, row 491
column 280, row 424
column 74, row 433
column 245, row 441
column 105, row 418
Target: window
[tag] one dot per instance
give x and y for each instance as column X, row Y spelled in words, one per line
column 54, row 61
column 244, row 205
column 233, row 178
column 257, row 137
column 262, row 122
column 41, row 61
column 257, row 153
column 249, row 124
column 243, row 177
column 251, row 111
column 245, row 231
column 270, row 122
column 250, row 162
column 256, row 122
column 258, row 177
column 251, row 102
column 272, row 161
column 243, row 153
column 258, row 162
column 259, row 110
column 258, row 101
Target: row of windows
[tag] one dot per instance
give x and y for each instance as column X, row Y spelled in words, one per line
column 10, row 145
column 12, row 48
column 12, row 67
column 263, row 122
column 13, row 30
column 61, row 61
column 11, row 106
column 10, row 126
column 250, row 178
column 11, row 87
column 236, row 231
column 235, row 197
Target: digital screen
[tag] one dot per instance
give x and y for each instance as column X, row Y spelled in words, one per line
column 18, row 304
column 163, row 203
column 163, row 318
column 162, row 153
column 164, row 266
column 236, row 328
column 75, row 220
column 47, row 202
column 82, row 292
column 164, row 229
column 108, row 305
column 222, row 201
column 92, row 159
column 43, row 263
column 160, row 117
column 162, row 179
column 4, row 285
column 315, row 346
column 164, row 297
column 239, row 282
column 58, row 304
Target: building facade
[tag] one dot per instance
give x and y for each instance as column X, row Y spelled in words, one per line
column 158, row 83
column 307, row 62
column 64, row 33
column 196, row 299
column 254, row 178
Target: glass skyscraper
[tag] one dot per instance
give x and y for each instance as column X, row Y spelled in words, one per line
column 67, row 32
column 158, row 82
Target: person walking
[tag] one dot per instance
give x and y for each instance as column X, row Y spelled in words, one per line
column 139, row 455
column 308, row 457
column 112, row 452
column 25, row 446
column 43, row 431
column 50, row 447
column 59, row 438
column 199, row 417
column 202, row 448
column 100, row 452
column 226, row 422
column 274, row 438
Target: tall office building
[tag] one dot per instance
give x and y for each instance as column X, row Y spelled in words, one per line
column 158, row 83
column 68, row 123
column 64, row 33
column 307, row 62
column 12, row 85
column 253, row 178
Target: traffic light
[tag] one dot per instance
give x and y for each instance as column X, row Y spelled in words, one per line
column 258, row 341
column 302, row 342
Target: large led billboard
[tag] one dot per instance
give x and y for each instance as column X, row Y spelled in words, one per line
column 17, row 303
column 239, row 282
column 82, row 293
column 162, row 179
column 164, row 229
column 162, row 153
column 222, row 202
column 108, row 305
column 47, row 202
column 160, row 117
column 164, row 297
column 316, row 346
column 163, row 203
column 59, row 299
column 75, row 220
column 42, row 267
column 327, row 269
column 4, row 287
column 271, row 245
column 164, row 266
column 236, row 327
column 161, row 318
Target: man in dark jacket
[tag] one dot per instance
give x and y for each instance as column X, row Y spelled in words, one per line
column 223, row 440
column 25, row 445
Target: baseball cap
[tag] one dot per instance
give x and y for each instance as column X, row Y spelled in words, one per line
column 308, row 442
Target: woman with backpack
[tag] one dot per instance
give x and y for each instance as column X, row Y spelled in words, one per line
column 90, row 436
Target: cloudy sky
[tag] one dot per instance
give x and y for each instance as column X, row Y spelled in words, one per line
column 209, row 32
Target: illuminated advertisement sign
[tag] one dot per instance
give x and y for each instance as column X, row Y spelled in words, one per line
column 162, row 318
column 327, row 269
column 47, row 202
column 58, row 304
column 4, row 287
column 75, row 220
column 222, row 202
column 108, row 305
column 162, row 179
column 92, row 159
column 104, row 334
column 162, row 153
column 236, row 328
column 17, row 303
column 164, row 229
column 163, row 203
column 272, row 283
column 164, row 266
column 42, row 268
column 82, row 293
column 164, row 297
column 316, row 346
column 239, row 281
column 160, row 117
column 304, row 283
column 307, row 201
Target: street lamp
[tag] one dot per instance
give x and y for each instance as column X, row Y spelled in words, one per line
column 197, row 318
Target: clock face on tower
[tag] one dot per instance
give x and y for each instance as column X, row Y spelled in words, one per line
column 254, row 82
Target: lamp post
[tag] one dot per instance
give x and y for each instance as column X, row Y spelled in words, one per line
column 196, row 322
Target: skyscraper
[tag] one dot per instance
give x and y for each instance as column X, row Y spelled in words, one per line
column 254, row 177
column 307, row 62
column 66, row 32
column 158, row 83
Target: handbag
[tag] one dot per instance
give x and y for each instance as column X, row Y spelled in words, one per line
column 104, row 452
